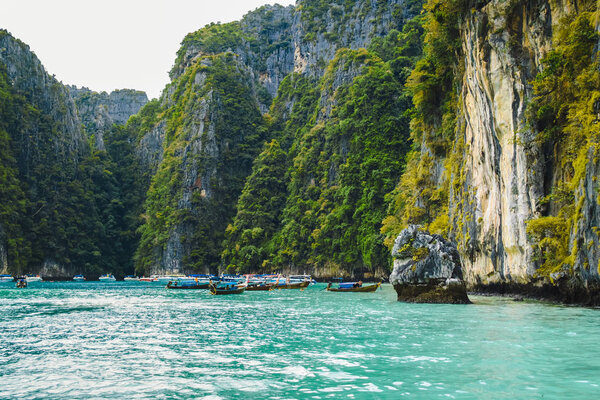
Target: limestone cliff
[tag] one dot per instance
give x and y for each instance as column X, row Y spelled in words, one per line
column 98, row 112
column 508, row 172
column 43, row 143
column 493, row 164
column 188, row 146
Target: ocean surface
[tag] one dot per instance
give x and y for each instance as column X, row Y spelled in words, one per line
column 121, row 340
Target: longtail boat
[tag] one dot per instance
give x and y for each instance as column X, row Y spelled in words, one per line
column 226, row 287
column 354, row 287
column 298, row 285
column 188, row 284
column 260, row 286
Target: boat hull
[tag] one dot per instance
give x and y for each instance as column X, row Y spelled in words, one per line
column 260, row 288
column 215, row 290
column 363, row 289
column 171, row 285
column 299, row 285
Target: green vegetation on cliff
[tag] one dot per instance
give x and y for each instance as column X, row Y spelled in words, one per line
column 346, row 139
column 565, row 113
column 213, row 133
column 421, row 197
column 60, row 204
column 12, row 198
column 247, row 245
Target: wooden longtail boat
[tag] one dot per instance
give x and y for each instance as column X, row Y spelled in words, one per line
column 363, row 289
column 234, row 289
column 186, row 285
column 262, row 286
column 299, row 285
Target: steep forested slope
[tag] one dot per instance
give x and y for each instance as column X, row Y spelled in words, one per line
column 341, row 163
column 61, row 208
column 335, row 110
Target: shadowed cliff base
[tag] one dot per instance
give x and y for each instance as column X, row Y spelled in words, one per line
column 565, row 291
column 432, row 292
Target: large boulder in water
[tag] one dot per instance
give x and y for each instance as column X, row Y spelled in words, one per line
column 427, row 269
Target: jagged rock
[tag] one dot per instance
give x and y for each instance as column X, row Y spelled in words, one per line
column 100, row 111
column 427, row 269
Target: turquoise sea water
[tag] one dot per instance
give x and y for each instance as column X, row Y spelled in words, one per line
column 135, row 340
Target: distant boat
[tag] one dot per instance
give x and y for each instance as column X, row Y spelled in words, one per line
column 282, row 283
column 260, row 286
column 166, row 278
column 107, row 278
column 353, row 287
column 6, row 278
column 33, row 278
column 227, row 287
column 146, row 279
column 189, row 283
column 298, row 285
column 79, row 278
column 302, row 278
column 131, row 278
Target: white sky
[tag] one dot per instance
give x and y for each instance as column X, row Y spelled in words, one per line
column 114, row 44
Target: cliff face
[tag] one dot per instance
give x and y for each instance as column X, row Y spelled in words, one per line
column 508, row 153
column 42, row 144
column 203, row 160
column 208, row 123
column 503, row 165
column 511, row 177
column 98, row 112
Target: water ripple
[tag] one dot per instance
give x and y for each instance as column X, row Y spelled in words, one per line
column 138, row 341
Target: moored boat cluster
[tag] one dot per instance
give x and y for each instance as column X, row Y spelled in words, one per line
column 217, row 284
column 236, row 284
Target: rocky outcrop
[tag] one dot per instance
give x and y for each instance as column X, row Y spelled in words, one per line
column 150, row 148
column 53, row 270
column 427, row 269
column 100, row 111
